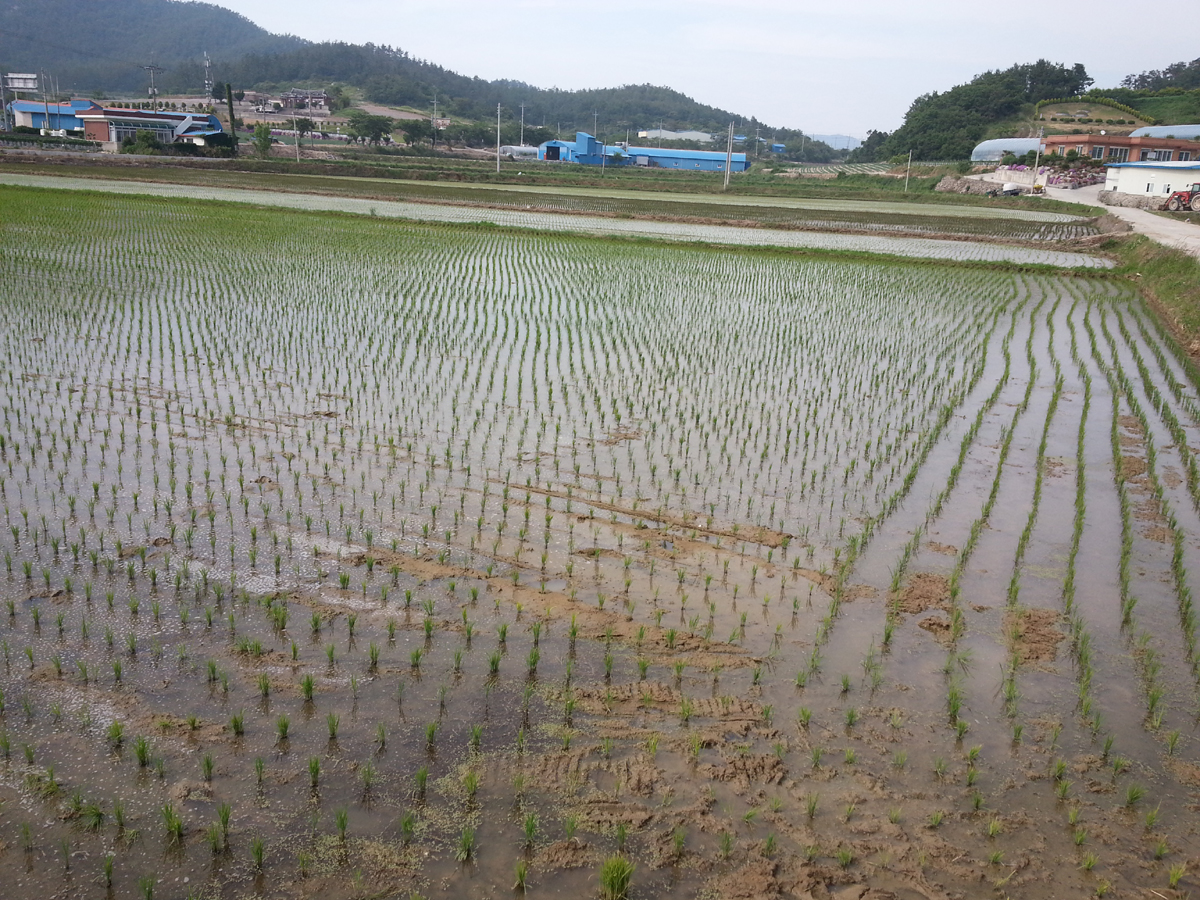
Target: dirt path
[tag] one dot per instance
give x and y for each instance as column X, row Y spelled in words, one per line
column 389, row 111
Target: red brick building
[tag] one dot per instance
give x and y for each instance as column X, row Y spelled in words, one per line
column 1119, row 148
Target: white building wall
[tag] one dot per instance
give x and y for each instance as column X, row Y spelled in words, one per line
column 1151, row 180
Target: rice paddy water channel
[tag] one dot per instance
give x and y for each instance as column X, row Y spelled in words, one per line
column 351, row 556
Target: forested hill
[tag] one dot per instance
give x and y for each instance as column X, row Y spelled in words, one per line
column 94, row 46
column 391, row 76
column 100, row 44
column 949, row 125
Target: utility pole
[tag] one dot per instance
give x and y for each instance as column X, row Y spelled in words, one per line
column 433, row 121
column 497, row 138
column 45, row 103
column 595, row 122
column 1037, row 156
column 757, row 142
column 522, row 124
column 728, row 157
column 296, row 128
column 907, row 170
column 153, row 70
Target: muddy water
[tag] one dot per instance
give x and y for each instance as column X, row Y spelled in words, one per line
column 611, row 615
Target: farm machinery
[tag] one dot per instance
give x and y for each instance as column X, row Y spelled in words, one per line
column 1188, row 198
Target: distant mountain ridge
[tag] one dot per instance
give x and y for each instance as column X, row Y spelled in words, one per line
column 100, row 44
column 95, row 46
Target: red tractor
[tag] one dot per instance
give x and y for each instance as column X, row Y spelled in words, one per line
column 1188, row 198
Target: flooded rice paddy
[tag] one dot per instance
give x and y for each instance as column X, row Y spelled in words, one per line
column 357, row 557
column 547, row 219
column 987, row 222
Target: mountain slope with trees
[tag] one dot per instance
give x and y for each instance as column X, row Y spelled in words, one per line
column 948, row 125
column 107, row 42
column 100, row 45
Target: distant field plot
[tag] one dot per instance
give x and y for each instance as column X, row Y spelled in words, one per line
column 351, row 556
column 529, row 216
column 811, row 214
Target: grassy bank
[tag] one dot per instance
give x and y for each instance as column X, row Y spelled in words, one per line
column 1170, row 279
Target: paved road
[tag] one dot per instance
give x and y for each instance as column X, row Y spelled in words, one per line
column 1178, row 233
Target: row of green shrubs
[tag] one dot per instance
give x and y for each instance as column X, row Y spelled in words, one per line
column 1086, row 121
column 1098, row 101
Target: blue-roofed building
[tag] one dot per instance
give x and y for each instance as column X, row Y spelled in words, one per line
column 1152, row 179
column 52, row 116
column 589, row 151
column 113, row 125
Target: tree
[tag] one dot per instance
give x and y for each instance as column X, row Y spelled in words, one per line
column 1184, row 75
column 338, row 98
column 304, row 126
column 232, row 120
column 417, row 130
column 262, row 140
column 145, row 143
column 368, row 127
column 868, row 149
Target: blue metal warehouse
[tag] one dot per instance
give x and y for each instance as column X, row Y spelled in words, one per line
column 589, row 151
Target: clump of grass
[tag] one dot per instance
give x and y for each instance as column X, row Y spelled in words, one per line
column 466, row 845
column 616, row 873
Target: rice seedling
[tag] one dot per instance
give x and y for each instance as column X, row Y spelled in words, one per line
column 465, row 848
column 1133, row 793
column 615, row 877
column 1175, row 875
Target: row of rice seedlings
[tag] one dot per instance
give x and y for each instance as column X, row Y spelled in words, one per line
column 1149, row 662
column 1009, row 687
column 1163, row 337
column 1187, row 616
column 1081, row 640
column 968, row 439
column 858, row 542
column 954, row 689
column 1163, row 407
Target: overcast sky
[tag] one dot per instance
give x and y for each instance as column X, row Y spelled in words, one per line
column 829, row 67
